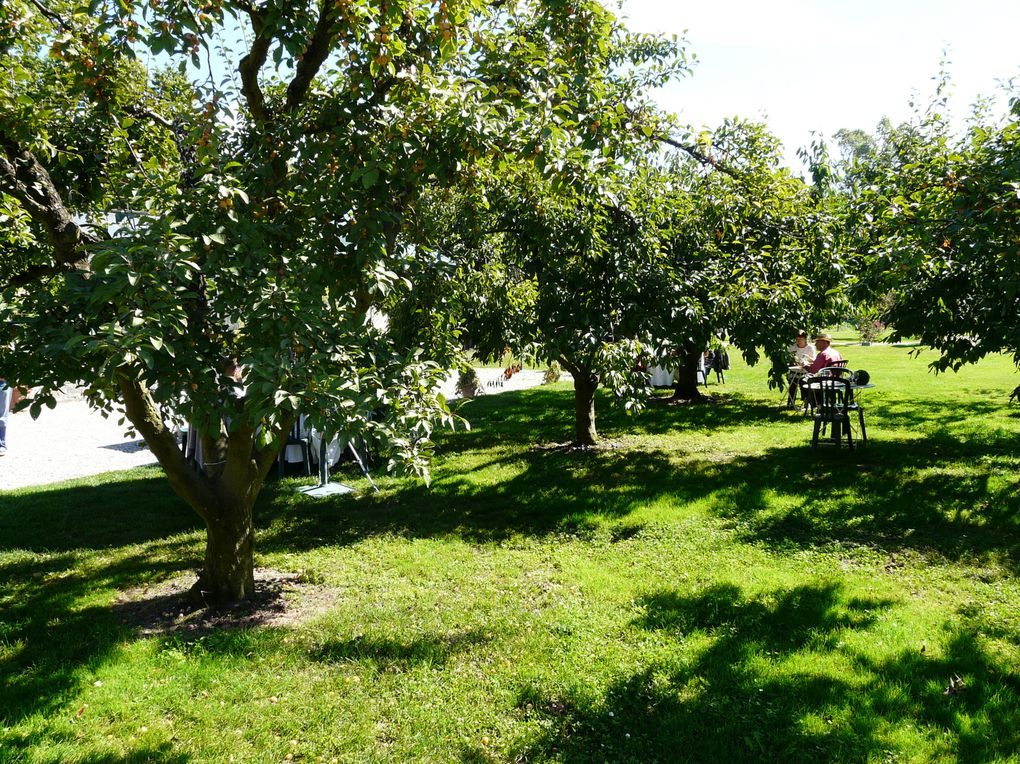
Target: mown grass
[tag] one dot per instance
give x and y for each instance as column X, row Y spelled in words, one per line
column 709, row 590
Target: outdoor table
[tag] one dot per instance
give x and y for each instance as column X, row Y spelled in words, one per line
column 858, row 388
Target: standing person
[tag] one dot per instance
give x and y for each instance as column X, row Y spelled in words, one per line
column 803, row 355
column 6, row 391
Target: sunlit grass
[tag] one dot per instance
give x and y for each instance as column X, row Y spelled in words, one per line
column 709, row 590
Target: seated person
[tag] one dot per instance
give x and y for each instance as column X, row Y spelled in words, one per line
column 802, row 354
column 827, row 355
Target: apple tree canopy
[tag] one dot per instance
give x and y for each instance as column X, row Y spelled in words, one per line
column 189, row 188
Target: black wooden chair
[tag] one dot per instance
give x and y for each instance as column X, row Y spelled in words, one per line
column 833, row 399
column 838, row 369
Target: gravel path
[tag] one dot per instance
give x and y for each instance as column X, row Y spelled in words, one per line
column 73, row 441
column 69, row 441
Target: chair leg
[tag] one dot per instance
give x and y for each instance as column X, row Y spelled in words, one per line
column 864, row 432
column 814, row 437
column 849, row 432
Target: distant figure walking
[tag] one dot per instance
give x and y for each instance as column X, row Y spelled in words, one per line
column 6, row 392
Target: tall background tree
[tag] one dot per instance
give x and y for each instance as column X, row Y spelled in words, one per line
column 749, row 248
column 641, row 257
column 548, row 251
column 937, row 211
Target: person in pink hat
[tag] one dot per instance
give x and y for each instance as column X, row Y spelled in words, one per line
column 827, row 355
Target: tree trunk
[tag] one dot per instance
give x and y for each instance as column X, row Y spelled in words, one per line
column 585, row 385
column 229, row 571
column 687, row 376
column 223, row 495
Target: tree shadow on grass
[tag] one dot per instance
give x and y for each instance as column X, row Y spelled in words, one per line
column 540, row 493
column 386, row 652
column 510, row 417
column 112, row 514
column 908, row 495
column 914, row 413
column 777, row 681
column 29, row 745
column 895, row 495
column 54, row 634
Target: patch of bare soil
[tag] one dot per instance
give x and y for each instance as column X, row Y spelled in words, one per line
column 574, row 448
column 675, row 401
column 281, row 599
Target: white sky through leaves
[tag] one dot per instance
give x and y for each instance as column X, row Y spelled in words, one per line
column 819, row 65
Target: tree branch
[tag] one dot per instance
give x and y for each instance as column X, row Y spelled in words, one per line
column 355, row 107
column 31, row 275
column 701, row 157
column 24, row 178
column 243, row 5
column 141, row 111
column 251, row 65
column 55, row 18
column 311, row 60
column 143, row 413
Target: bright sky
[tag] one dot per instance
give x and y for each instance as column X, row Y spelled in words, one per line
column 825, row 64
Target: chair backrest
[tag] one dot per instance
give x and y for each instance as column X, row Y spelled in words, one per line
column 297, row 432
column 831, row 395
column 838, row 369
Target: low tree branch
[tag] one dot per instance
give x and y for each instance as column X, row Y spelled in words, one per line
column 143, row 413
column 214, row 452
column 246, row 464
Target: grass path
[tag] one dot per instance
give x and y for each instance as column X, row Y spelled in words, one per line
column 711, row 590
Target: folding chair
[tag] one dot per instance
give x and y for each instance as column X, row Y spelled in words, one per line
column 298, row 439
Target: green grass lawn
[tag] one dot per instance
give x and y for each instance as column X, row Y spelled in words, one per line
column 710, row 590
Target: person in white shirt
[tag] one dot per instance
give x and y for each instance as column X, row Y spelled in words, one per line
column 802, row 354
